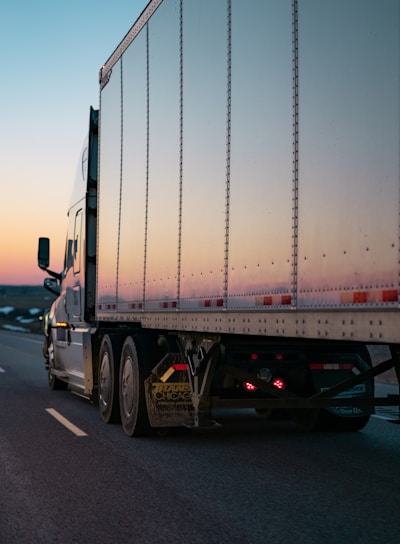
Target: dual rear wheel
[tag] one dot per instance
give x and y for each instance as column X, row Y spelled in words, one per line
column 123, row 369
column 132, row 399
column 108, row 376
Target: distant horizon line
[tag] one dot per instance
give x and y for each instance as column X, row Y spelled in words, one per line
column 21, row 285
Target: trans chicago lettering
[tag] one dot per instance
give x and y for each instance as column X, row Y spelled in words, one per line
column 171, row 392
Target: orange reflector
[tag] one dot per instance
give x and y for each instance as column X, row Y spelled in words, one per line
column 62, row 325
column 373, row 296
column 168, row 373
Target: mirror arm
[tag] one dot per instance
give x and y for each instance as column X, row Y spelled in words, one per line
column 56, row 275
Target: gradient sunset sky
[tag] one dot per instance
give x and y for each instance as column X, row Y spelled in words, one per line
column 51, row 53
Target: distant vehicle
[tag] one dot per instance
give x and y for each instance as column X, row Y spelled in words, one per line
column 233, row 235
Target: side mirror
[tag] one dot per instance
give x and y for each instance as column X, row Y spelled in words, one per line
column 44, row 253
column 51, row 285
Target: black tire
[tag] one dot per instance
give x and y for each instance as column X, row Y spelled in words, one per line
column 307, row 419
column 264, row 413
column 311, row 420
column 343, row 424
column 138, row 356
column 324, row 419
column 333, row 422
column 108, row 396
column 54, row 383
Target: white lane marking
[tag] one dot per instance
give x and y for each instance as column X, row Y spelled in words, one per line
column 64, row 421
column 24, row 336
column 2, row 370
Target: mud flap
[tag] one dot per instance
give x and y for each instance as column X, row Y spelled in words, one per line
column 168, row 393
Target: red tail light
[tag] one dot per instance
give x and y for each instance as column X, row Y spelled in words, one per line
column 249, row 387
column 279, row 383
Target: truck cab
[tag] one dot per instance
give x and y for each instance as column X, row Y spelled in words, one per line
column 68, row 344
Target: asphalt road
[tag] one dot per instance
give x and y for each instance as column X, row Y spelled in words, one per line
column 252, row 481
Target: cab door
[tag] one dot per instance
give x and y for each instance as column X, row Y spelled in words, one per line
column 76, row 272
column 72, row 346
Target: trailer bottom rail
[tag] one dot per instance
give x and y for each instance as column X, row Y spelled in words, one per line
column 304, row 403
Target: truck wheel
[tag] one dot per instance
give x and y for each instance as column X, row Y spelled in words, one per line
column 264, row 413
column 132, row 398
column 321, row 420
column 343, row 424
column 307, row 419
column 108, row 379
column 54, row 383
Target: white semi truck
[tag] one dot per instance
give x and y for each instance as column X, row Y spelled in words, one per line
column 233, row 236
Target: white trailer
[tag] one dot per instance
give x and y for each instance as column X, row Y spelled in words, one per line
column 233, row 234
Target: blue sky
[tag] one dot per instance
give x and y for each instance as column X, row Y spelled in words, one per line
column 50, row 56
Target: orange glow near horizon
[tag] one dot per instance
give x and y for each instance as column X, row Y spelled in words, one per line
column 44, row 120
column 18, row 248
